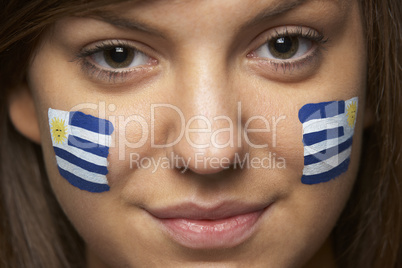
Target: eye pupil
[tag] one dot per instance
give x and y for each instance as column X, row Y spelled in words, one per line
column 119, row 57
column 118, row 54
column 284, row 47
column 283, row 44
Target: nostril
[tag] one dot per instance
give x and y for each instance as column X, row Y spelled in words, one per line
column 182, row 169
column 207, row 162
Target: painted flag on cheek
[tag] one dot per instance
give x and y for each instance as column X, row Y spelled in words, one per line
column 81, row 144
column 328, row 129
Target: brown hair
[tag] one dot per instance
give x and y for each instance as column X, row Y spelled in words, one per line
column 34, row 232
column 369, row 233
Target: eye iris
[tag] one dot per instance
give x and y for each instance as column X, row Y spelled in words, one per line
column 284, row 47
column 119, row 57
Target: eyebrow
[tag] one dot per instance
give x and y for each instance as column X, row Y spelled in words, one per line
column 280, row 8
column 121, row 22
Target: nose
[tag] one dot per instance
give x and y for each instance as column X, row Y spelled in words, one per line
column 209, row 102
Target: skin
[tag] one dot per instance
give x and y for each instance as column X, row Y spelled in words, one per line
column 203, row 62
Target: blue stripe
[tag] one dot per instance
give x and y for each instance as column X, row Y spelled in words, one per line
column 83, row 184
column 327, row 153
column 326, row 176
column 321, row 110
column 319, row 136
column 69, row 157
column 88, row 146
column 91, row 123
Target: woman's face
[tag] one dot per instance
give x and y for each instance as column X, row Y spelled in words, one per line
column 207, row 155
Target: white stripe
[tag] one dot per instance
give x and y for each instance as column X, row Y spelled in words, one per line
column 94, row 137
column 323, row 145
column 80, row 172
column 92, row 158
column 64, row 115
column 328, row 164
column 315, row 125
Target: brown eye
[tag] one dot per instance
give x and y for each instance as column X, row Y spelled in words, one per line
column 119, row 57
column 284, row 47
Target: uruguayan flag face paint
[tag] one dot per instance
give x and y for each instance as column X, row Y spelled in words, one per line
column 81, row 144
column 328, row 129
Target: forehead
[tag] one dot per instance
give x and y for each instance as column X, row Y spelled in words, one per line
column 143, row 14
column 223, row 6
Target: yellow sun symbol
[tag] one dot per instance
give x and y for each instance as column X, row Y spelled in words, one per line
column 59, row 130
column 351, row 113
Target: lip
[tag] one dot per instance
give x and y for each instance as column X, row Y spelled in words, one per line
column 209, row 227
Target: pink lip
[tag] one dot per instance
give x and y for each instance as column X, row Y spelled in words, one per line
column 198, row 227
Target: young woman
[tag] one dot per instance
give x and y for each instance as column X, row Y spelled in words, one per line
column 200, row 133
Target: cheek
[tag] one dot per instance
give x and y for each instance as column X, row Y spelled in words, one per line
column 131, row 142
column 281, row 133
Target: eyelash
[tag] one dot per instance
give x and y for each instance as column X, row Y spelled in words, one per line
column 104, row 74
column 317, row 38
